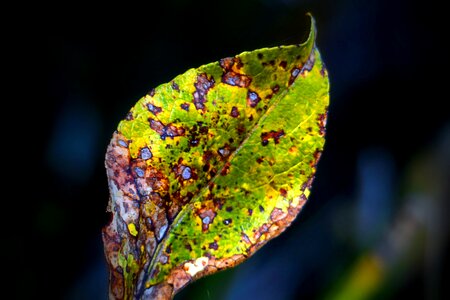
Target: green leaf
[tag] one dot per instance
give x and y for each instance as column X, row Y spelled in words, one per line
column 207, row 168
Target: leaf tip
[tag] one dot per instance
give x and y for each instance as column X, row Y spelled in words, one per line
column 312, row 31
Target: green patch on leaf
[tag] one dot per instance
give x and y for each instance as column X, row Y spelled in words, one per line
column 207, row 168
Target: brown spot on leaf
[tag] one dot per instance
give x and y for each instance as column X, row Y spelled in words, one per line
column 261, row 209
column 225, row 151
column 293, row 149
column 213, row 245
column 202, row 87
column 275, row 89
column 234, row 112
column 151, row 93
column 294, row 73
column 236, row 79
column 164, row 131
column 146, row 153
column 175, row 86
column 202, row 129
column 227, row 221
column 283, row 192
column 212, row 172
column 238, row 63
column 260, row 56
column 283, row 64
column 245, row 238
column 231, row 75
column 156, row 180
column 316, row 155
column 263, row 229
column 309, row 63
column 129, row 116
column 229, row 209
column 184, row 172
column 275, row 135
column 252, row 98
column 154, row 109
column 277, row 214
column 250, row 212
column 225, row 169
column 227, row 63
column 207, row 155
column 207, row 216
column 323, row 70
column 185, row 106
column 322, row 120
column 178, row 279
column 163, row 259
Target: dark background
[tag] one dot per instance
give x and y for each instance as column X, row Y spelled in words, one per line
column 376, row 224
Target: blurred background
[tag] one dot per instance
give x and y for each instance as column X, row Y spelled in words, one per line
column 376, row 225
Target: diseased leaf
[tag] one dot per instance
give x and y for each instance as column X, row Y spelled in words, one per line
column 207, row 168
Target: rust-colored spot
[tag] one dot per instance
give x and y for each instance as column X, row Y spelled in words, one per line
column 283, row 64
column 188, row 247
column 275, row 135
column 213, row 245
column 283, row 192
column 252, row 98
column 154, row 109
column 202, row 87
column 293, row 149
column 260, row 159
column 250, row 212
column 226, row 169
column 164, row 131
column 260, row 56
column 234, row 112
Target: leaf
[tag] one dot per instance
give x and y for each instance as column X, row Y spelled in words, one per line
column 207, row 168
